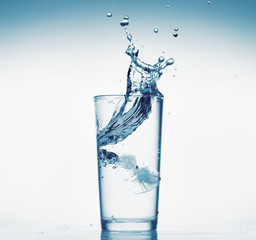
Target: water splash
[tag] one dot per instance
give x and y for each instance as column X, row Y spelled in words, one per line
column 141, row 86
column 130, row 112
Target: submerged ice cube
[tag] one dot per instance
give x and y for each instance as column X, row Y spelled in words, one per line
column 142, row 180
column 127, row 161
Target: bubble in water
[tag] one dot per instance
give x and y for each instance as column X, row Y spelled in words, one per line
column 167, row 5
column 161, row 59
column 124, row 23
column 175, row 34
column 209, row 2
column 156, row 30
column 126, row 17
column 176, row 29
column 109, row 14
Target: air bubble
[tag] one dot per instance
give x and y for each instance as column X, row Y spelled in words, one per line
column 168, row 6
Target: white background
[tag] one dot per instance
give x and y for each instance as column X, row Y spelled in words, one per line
column 49, row 73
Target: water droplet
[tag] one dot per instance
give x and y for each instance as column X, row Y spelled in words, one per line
column 209, row 2
column 161, row 59
column 126, row 17
column 124, row 23
column 156, row 30
column 169, row 113
column 170, row 61
column 168, row 6
column 129, row 37
column 175, row 34
column 114, row 167
column 176, row 29
column 174, row 76
column 109, row 14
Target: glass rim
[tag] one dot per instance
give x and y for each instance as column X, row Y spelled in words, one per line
column 123, row 95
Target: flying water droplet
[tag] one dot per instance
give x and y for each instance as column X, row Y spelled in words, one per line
column 170, row 61
column 161, row 59
column 176, row 29
column 126, row 17
column 124, row 23
column 168, row 6
column 209, row 2
column 175, row 34
column 129, row 37
column 109, row 14
column 156, row 30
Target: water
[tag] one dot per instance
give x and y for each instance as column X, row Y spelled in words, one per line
column 128, row 166
column 175, row 34
column 141, row 80
column 109, row 14
column 156, row 30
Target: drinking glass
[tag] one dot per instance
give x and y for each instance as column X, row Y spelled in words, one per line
column 129, row 149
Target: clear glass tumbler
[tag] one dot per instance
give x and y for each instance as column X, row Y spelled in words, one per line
column 129, row 150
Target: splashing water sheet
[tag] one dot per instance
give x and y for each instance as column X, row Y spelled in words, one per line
column 128, row 116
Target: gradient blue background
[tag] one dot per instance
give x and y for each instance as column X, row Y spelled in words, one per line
column 56, row 55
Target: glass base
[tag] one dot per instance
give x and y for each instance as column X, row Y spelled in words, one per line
column 123, row 224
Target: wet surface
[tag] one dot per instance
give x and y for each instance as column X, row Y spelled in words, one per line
column 83, row 233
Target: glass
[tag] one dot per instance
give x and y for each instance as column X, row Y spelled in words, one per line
column 129, row 164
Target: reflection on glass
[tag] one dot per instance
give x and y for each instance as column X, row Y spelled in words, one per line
column 147, row 235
